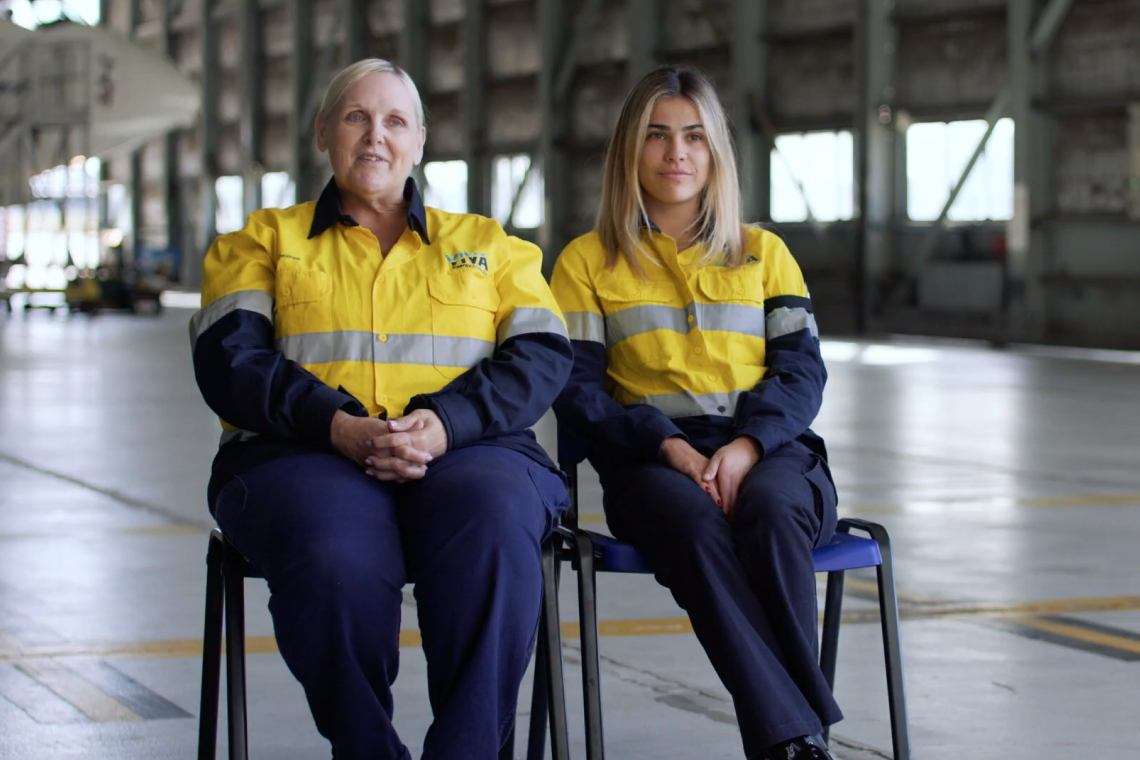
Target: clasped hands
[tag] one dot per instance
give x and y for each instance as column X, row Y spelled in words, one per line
column 390, row 450
column 719, row 475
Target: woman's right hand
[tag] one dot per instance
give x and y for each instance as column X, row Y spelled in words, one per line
column 350, row 436
column 686, row 460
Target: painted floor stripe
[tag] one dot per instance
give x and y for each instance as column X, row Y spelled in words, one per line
column 127, row 691
column 1076, row 635
column 37, row 701
column 78, row 691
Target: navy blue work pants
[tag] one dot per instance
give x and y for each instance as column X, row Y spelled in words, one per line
column 748, row 585
column 336, row 547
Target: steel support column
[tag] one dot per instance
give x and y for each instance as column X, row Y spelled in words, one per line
column 171, row 174
column 137, row 185
column 554, row 233
column 208, row 173
column 253, row 107
column 356, row 34
column 474, row 107
column 876, row 153
column 302, row 169
column 1026, row 240
column 414, row 42
column 644, row 29
column 749, row 81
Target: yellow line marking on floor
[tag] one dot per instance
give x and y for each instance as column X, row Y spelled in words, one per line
column 86, row 697
column 1080, row 634
column 610, row 628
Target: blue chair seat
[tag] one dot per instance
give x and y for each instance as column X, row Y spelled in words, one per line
column 845, row 552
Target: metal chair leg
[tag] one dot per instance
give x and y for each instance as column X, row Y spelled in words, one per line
column 552, row 637
column 892, row 650
column 234, row 570
column 588, row 624
column 829, row 645
column 536, row 737
column 211, row 651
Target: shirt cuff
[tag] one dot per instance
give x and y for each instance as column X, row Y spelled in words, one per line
column 314, row 419
column 756, row 433
column 459, row 417
column 655, row 432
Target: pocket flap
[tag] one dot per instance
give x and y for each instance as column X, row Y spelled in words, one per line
column 297, row 284
column 463, row 290
column 722, row 284
column 633, row 290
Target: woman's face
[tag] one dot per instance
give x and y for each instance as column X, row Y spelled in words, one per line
column 675, row 157
column 372, row 137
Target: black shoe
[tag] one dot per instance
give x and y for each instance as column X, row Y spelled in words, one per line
column 802, row 748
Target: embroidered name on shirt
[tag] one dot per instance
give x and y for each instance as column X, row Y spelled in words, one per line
column 464, row 260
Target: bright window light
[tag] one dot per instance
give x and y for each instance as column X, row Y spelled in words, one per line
column 277, row 190
column 936, row 154
column 813, row 171
column 230, row 215
column 446, row 186
column 507, row 182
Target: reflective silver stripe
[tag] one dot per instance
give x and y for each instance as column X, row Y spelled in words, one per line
column 688, row 404
column 236, row 435
column 257, row 301
column 785, row 321
column 359, row 346
column 731, row 317
column 721, row 317
column 458, row 352
column 530, row 320
column 586, row 325
column 321, row 348
column 642, row 319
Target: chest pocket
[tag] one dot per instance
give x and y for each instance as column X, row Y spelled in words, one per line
column 303, row 302
column 733, row 312
column 634, row 310
column 463, row 309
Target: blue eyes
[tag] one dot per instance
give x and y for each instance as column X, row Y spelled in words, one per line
column 359, row 117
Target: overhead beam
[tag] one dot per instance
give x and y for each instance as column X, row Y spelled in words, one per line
column 749, row 88
column 1048, row 24
column 474, row 107
column 644, row 30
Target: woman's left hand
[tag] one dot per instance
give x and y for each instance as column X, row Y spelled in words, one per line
column 412, row 441
column 727, row 468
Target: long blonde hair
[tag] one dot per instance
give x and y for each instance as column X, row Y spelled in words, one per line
column 622, row 213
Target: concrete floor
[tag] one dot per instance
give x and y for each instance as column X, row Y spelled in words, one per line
column 1010, row 482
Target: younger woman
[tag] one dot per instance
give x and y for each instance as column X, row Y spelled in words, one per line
column 696, row 375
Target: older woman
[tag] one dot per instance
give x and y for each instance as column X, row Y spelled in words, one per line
column 377, row 365
column 697, row 372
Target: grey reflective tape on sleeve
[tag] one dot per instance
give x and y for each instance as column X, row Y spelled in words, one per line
column 784, row 321
column 688, row 404
column 525, row 319
column 257, row 301
column 586, row 325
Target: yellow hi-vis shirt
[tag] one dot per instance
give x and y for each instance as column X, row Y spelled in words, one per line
column 384, row 328
column 690, row 339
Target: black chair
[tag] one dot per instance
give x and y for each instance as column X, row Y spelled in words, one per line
column 226, row 571
column 592, row 552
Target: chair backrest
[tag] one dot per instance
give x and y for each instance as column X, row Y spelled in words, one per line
column 570, row 454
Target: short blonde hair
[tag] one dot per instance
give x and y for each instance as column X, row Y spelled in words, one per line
column 353, row 73
column 622, row 213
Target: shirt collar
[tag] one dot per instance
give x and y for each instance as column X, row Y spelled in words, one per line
column 329, row 210
column 645, row 223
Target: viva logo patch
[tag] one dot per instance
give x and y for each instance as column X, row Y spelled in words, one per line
column 465, row 260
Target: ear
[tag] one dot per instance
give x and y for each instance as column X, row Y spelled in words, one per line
column 420, row 146
column 319, row 131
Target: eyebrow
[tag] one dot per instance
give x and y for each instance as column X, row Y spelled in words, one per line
column 666, row 127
